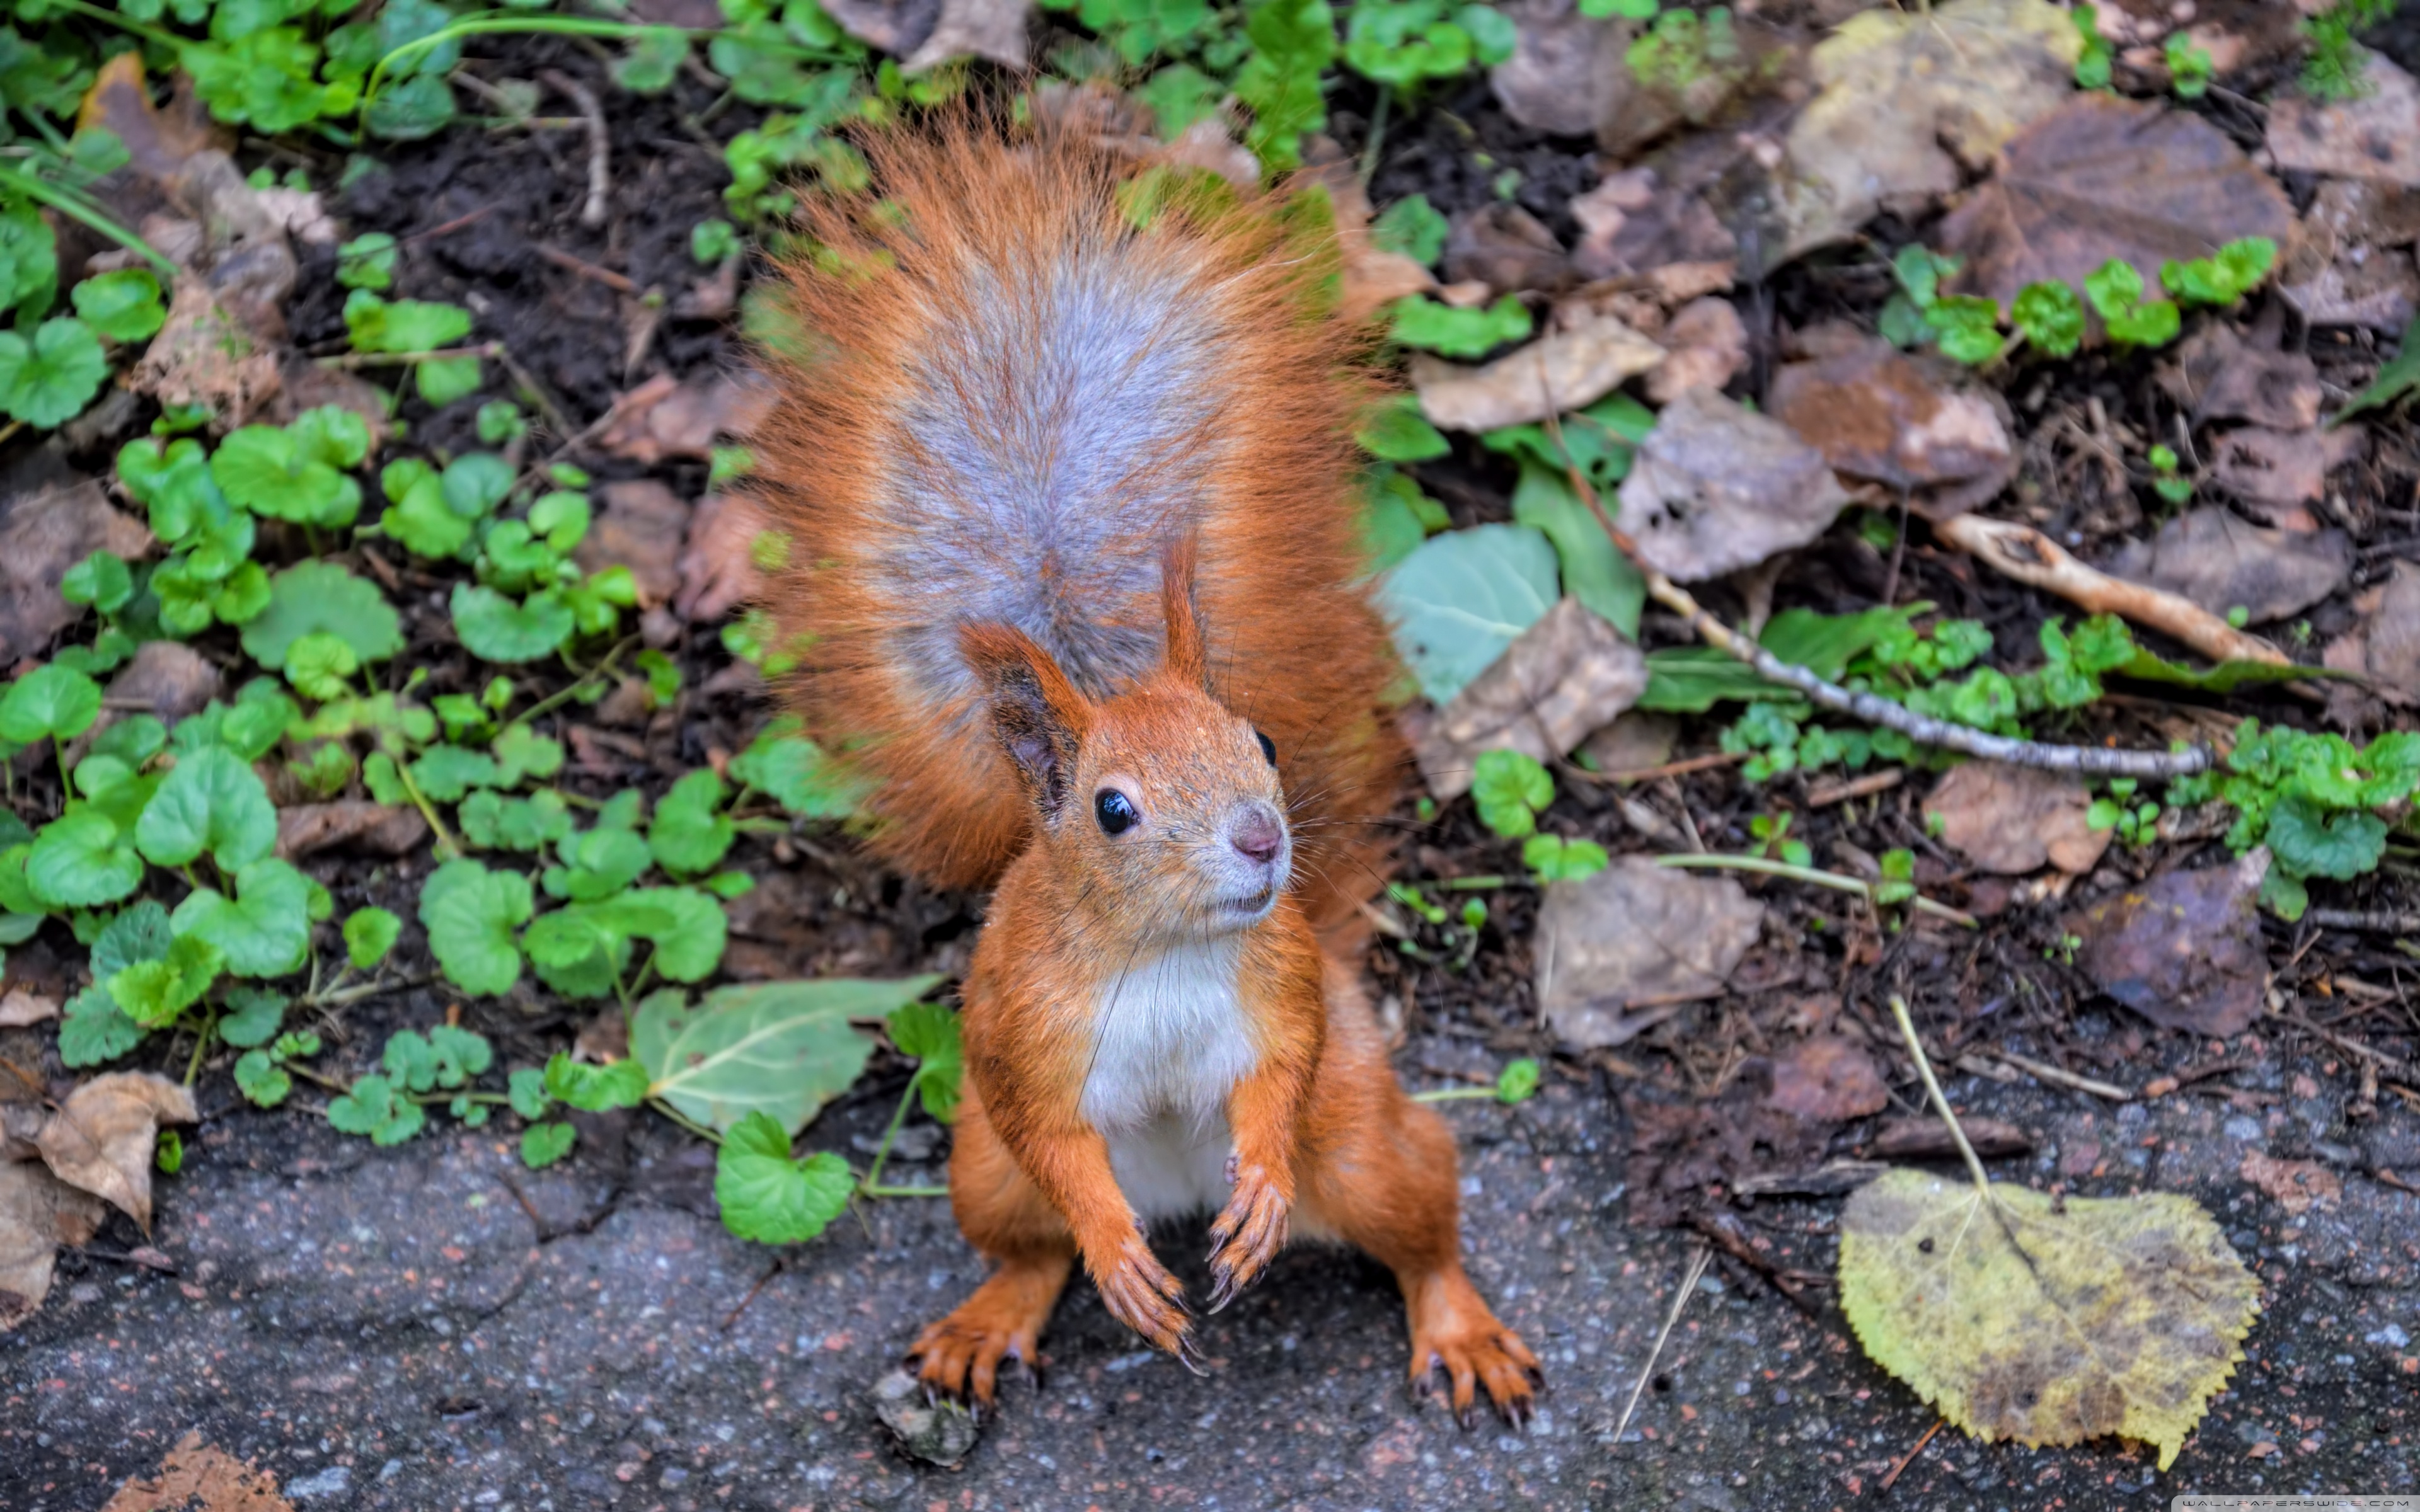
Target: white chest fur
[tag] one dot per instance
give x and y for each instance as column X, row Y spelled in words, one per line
column 1169, row 1042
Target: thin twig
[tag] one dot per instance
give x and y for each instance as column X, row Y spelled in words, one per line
column 1908, row 1458
column 360, row 360
column 2402, row 1070
column 1681, row 1299
column 1838, row 882
column 1872, row 708
column 1864, row 787
column 1679, row 768
column 601, row 179
column 2043, row 1070
column 587, row 269
column 2382, row 923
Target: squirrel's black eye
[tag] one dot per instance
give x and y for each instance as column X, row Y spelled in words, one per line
column 1268, row 747
column 1115, row 811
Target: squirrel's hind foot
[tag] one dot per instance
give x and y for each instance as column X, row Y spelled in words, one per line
column 1454, row 1334
column 961, row 1356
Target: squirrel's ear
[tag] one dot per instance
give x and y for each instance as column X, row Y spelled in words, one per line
column 1036, row 712
column 1185, row 655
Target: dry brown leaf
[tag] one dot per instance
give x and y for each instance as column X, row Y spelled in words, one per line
column 1716, row 487
column 165, row 679
column 641, row 528
column 1634, row 223
column 1879, row 414
column 2104, row 178
column 379, row 828
column 1504, row 247
column 38, row 1212
column 2384, row 647
column 198, row 1478
column 2295, row 1185
column 1633, row 743
column 20, row 1008
column 718, row 567
column 1209, row 146
column 2183, row 949
column 2344, row 270
column 1566, row 370
column 103, row 1137
column 1705, row 345
column 2345, row 211
column 2223, row 563
column 1908, row 96
column 1636, row 933
column 2012, row 820
column 2218, row 375
column 204, row 355
column 2374, row 135
column 1565, row 76
column 991, row 29
column 1830, row 1078
column 661, row 418
column 2276, row 472
column 895, row 26
column 1563, row 677
column 49, row 520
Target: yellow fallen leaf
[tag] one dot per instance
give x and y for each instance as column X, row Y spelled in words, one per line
column 2049, row 1320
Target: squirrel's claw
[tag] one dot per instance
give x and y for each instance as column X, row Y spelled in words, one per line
column 1247, row 1235
column 1139, row 1292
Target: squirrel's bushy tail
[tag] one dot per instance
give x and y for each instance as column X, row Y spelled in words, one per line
column 1009, row 399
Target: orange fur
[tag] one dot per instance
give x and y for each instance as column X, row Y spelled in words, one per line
column 1291, row 638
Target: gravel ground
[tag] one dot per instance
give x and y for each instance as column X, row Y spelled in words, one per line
column 434, row 1328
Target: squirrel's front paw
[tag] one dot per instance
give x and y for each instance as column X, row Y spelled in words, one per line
column 1247, row 1235
column 1141, row 1293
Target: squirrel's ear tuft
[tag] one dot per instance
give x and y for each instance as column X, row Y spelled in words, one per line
column 1176, row 570
column 1037, row 715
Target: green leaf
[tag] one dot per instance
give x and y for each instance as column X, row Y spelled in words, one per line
column 376, row 1108
column 1422, row 322
column 1413, row 228
column 930, row 1033
column 93, row 1030
column 1554, row 858
column 1595, row 571
column 1396, row 431
column 123, row 304
column 527, row 1088
column 2050, row 317
column 771, row 1198
column 82, row 860
column 712, row 239
column 598, row 863
column 296, row 472
column 443, row 380
column 691, row 832
column 1176, row 96
column 470, row 914
column 1403, row 42
column 313, row 596
column 1465, row 595
column 779, row 1048
column 794, row 772
column 497, row 629
column 1966, row 327
column 52, row 702
column 266, row 932
column 543, row 1144
column 417, row 513
column 2235, row 271
column 212, row 801
column 490, row 821
column 444, row 773
column 252, row 1017
column 141, row 933
column 404, row 325
column 370, row 935
column 1509, row 789
column 1518, row 1081
column 102, row 580
column 154, row 993
column 1293, row 43
column 262, row 1080
column 2310, row 842
column 47, row 381
column 367, row 261
column 686, row 927
column 595, row 1088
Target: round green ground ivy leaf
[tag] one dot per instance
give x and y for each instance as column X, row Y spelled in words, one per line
column 254, row 1015
column 265, row 931
column 769, row 1198
column 213, row 801
column 153, row 993
column 543, row 1144
column 691, row 832
column 321, row 595
column 54, row 701
column 376, row 1108
column 470, row 912
column 370, row 935
column 93, row 1030
column 123, row 305
column 271, row 470
column 47, row 381
column 497, row 629
column 81, row 861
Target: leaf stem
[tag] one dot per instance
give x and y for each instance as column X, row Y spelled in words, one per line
column 564, row 695
column 357, row 360
column 1818, row 878
column 1453, row 1094
column 297, row 1068
column 447, row 848
column 1940, row 1100
column 684, row 1119
column 432, row 1099
column 73, row 207
column 898, row 1117
column 201, row 1045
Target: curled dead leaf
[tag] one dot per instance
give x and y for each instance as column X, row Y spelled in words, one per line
column 19, row 1009
column 663, row 418
column 1636, row 934
column 1563, row 677
column 2223, row 564
column 641, row 528
column 2015, row 819
column 379, row 828
column 51, row 520
column 1568, row 369
column 1715, row 488
column 2375, row 134
column 1705, row 345
column 2219, row 375
column 1565, row 76
column 38, row 1212
column 1830, row 1078
column 1879, row 414
column 717, row 566
column 1634, row 223
column 1505, row 248
column 101, row 1137
column 2183, row 949
column 2277, row 471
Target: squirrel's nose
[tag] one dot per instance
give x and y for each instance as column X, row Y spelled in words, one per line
column 1258, row 833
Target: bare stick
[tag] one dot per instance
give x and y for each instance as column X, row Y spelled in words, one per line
column 1940, row 1098
column 1872, row 708
column 2021, row 552
column 1833, row 880
column 1679, row 1300
column 2042, row 1070
column 600, row 180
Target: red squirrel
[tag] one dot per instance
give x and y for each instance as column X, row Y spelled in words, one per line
column 1066, row 458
